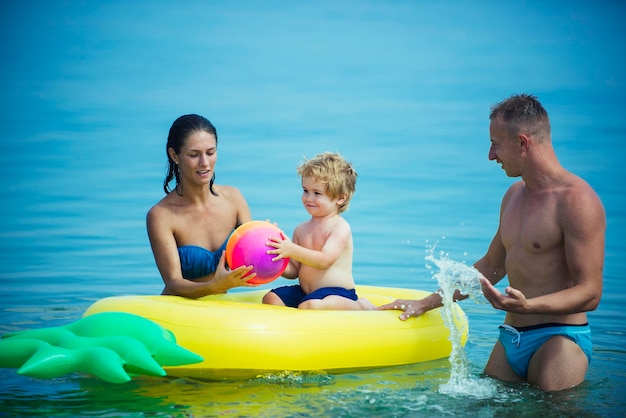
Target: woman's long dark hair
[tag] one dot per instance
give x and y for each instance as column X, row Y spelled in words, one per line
column 181, row 129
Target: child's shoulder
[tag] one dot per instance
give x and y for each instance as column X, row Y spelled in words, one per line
column 341, row 222
column 336, row 223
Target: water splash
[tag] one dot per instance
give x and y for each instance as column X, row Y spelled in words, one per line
column 453, row 275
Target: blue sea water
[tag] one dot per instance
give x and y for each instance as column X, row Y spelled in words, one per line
column 402, row 89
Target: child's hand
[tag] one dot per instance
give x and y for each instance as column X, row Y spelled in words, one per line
column 281, row 246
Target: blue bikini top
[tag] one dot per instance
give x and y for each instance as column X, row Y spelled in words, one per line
column 196, row 262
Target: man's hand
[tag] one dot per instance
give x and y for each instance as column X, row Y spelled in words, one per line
column 514, row 300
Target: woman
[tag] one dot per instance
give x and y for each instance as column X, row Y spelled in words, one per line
column 189, row 227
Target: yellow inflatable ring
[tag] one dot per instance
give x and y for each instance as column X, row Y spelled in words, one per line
column 240, row 338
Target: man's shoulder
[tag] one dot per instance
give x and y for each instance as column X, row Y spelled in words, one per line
column 513, row 190
column 578, row 189
column 516, row 186
column 579, row 202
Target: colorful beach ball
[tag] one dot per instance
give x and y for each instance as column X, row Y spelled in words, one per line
column 247, row 247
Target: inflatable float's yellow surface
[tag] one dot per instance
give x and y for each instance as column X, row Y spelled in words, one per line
column 240, row 338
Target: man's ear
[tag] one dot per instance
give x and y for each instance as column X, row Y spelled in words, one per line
column 524, row 141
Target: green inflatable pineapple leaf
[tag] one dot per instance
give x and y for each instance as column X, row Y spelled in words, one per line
column 112, row 346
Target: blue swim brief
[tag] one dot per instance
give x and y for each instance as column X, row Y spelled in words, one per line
column 293, row 296
column 520, row 343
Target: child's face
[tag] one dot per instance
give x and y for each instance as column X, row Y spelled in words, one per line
column 315, row 199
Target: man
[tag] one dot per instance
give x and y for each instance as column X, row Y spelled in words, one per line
column 550, row 244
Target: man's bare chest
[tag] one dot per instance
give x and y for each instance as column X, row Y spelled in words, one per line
column 531, row 224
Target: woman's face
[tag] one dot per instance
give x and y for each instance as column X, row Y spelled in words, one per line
column 197, row 157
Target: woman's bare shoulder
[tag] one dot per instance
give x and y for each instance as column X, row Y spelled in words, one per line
column 162, row 208
column 231, row 194
column 227, row 191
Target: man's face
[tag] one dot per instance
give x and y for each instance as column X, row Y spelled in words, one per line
column 504, row 149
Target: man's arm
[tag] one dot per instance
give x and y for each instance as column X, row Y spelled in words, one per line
column 492, row 265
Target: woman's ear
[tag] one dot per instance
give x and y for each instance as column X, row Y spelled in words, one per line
column 172, row 154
